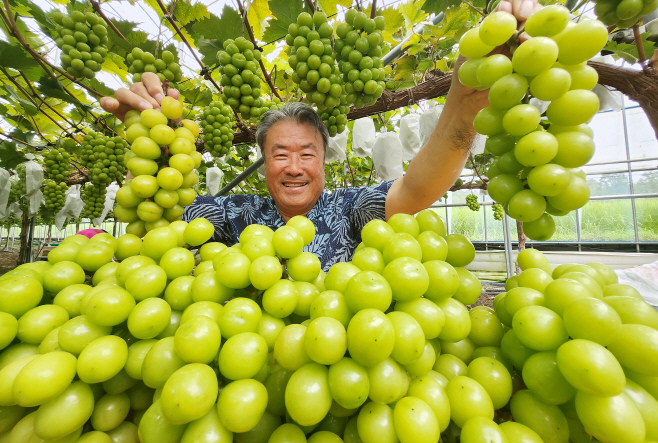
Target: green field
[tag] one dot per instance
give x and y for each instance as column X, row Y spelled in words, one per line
column 602, row 220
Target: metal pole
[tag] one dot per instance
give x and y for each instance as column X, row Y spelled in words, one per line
column 630, row 173
column 509, row 259
column 386, row 59
column 246, row 173
column 30, row 239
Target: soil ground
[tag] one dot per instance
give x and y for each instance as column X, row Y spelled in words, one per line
column 8, row 260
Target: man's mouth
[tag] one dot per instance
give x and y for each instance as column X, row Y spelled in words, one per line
column 294, row 185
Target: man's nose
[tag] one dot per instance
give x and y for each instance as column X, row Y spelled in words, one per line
column 294, row 166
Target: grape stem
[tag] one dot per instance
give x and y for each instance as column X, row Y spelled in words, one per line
column 470, row 157
column 97, row 8
column 642, row 57
column 373, row 10
column 267, row 76
column 310, row 4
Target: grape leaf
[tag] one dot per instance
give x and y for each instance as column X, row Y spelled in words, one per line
column 229, row 25
column 454, row 19
column 10, row 156
column 258, row 13
column 285, row 12
column 186, row 12
column 134, row 37
column 197, row 96
column 208, row 49
column 330, row 6
column 14, row 56
column 53, row 88
column 628, row 51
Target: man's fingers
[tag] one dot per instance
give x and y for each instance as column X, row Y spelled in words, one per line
column 505, row 6
column 526, row 9
column 109, row 104
column 125, row 97
column 173, row 93
column 140, row 90
column 153, row 85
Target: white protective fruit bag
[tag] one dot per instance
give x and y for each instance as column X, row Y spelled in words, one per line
column 35, row 199
column 5, row 187
column 363, row 137
column 410, row 136
column 33, row 177
column 213, row 180
column 387, row 156
column 337, row 147
column 428, row 121
column 72, row 206
column 109, row 203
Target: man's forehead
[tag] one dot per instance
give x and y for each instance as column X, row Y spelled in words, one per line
column 284, row 138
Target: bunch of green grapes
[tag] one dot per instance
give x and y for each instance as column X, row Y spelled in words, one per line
column 498, row 211
column 359, row 47
column 335, row 119
column 239, row 68
column 82, row 37
column 472, row 202
column 314, row 62
column 535, row 171
column 103, row 158
column 623, row 13
column 94, row 197
column 217, row 129
column 166, row 68
column 56, row 163
column 54, row 195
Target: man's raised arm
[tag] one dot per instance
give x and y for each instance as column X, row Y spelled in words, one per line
column 440, row 162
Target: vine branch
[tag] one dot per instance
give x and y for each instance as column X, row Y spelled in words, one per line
column 9, row 137
column 373, row 10
column 97, row 8
column 36, row 94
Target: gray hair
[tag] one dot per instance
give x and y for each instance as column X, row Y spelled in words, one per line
column 300, row 113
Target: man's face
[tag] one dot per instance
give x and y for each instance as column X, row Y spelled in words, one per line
column 294, row 166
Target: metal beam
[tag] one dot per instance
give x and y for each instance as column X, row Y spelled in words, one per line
column 246, row 173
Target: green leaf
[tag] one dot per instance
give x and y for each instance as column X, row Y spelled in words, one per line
column 10, row 156
column 455, row 19
column 437, row 6
column 330, row 6
column 115, row 65
column 186, row 11
column 14, row 56
column 412, row 12
column 53, row 88
column 99, row 86
column 127, row 29
column 197, row 96
column 285, row 12
column 229, row 25
column 628, row 51
column 258, row 13
column 208, row 49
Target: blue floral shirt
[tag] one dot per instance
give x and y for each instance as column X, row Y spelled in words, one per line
column 338, row 218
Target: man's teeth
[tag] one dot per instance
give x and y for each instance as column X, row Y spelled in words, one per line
column 290, row 185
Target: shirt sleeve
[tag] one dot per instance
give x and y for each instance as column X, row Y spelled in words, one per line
column 369, row 204
column 213, row 210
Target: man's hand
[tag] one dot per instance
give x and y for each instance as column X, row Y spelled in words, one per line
column 147, row 94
